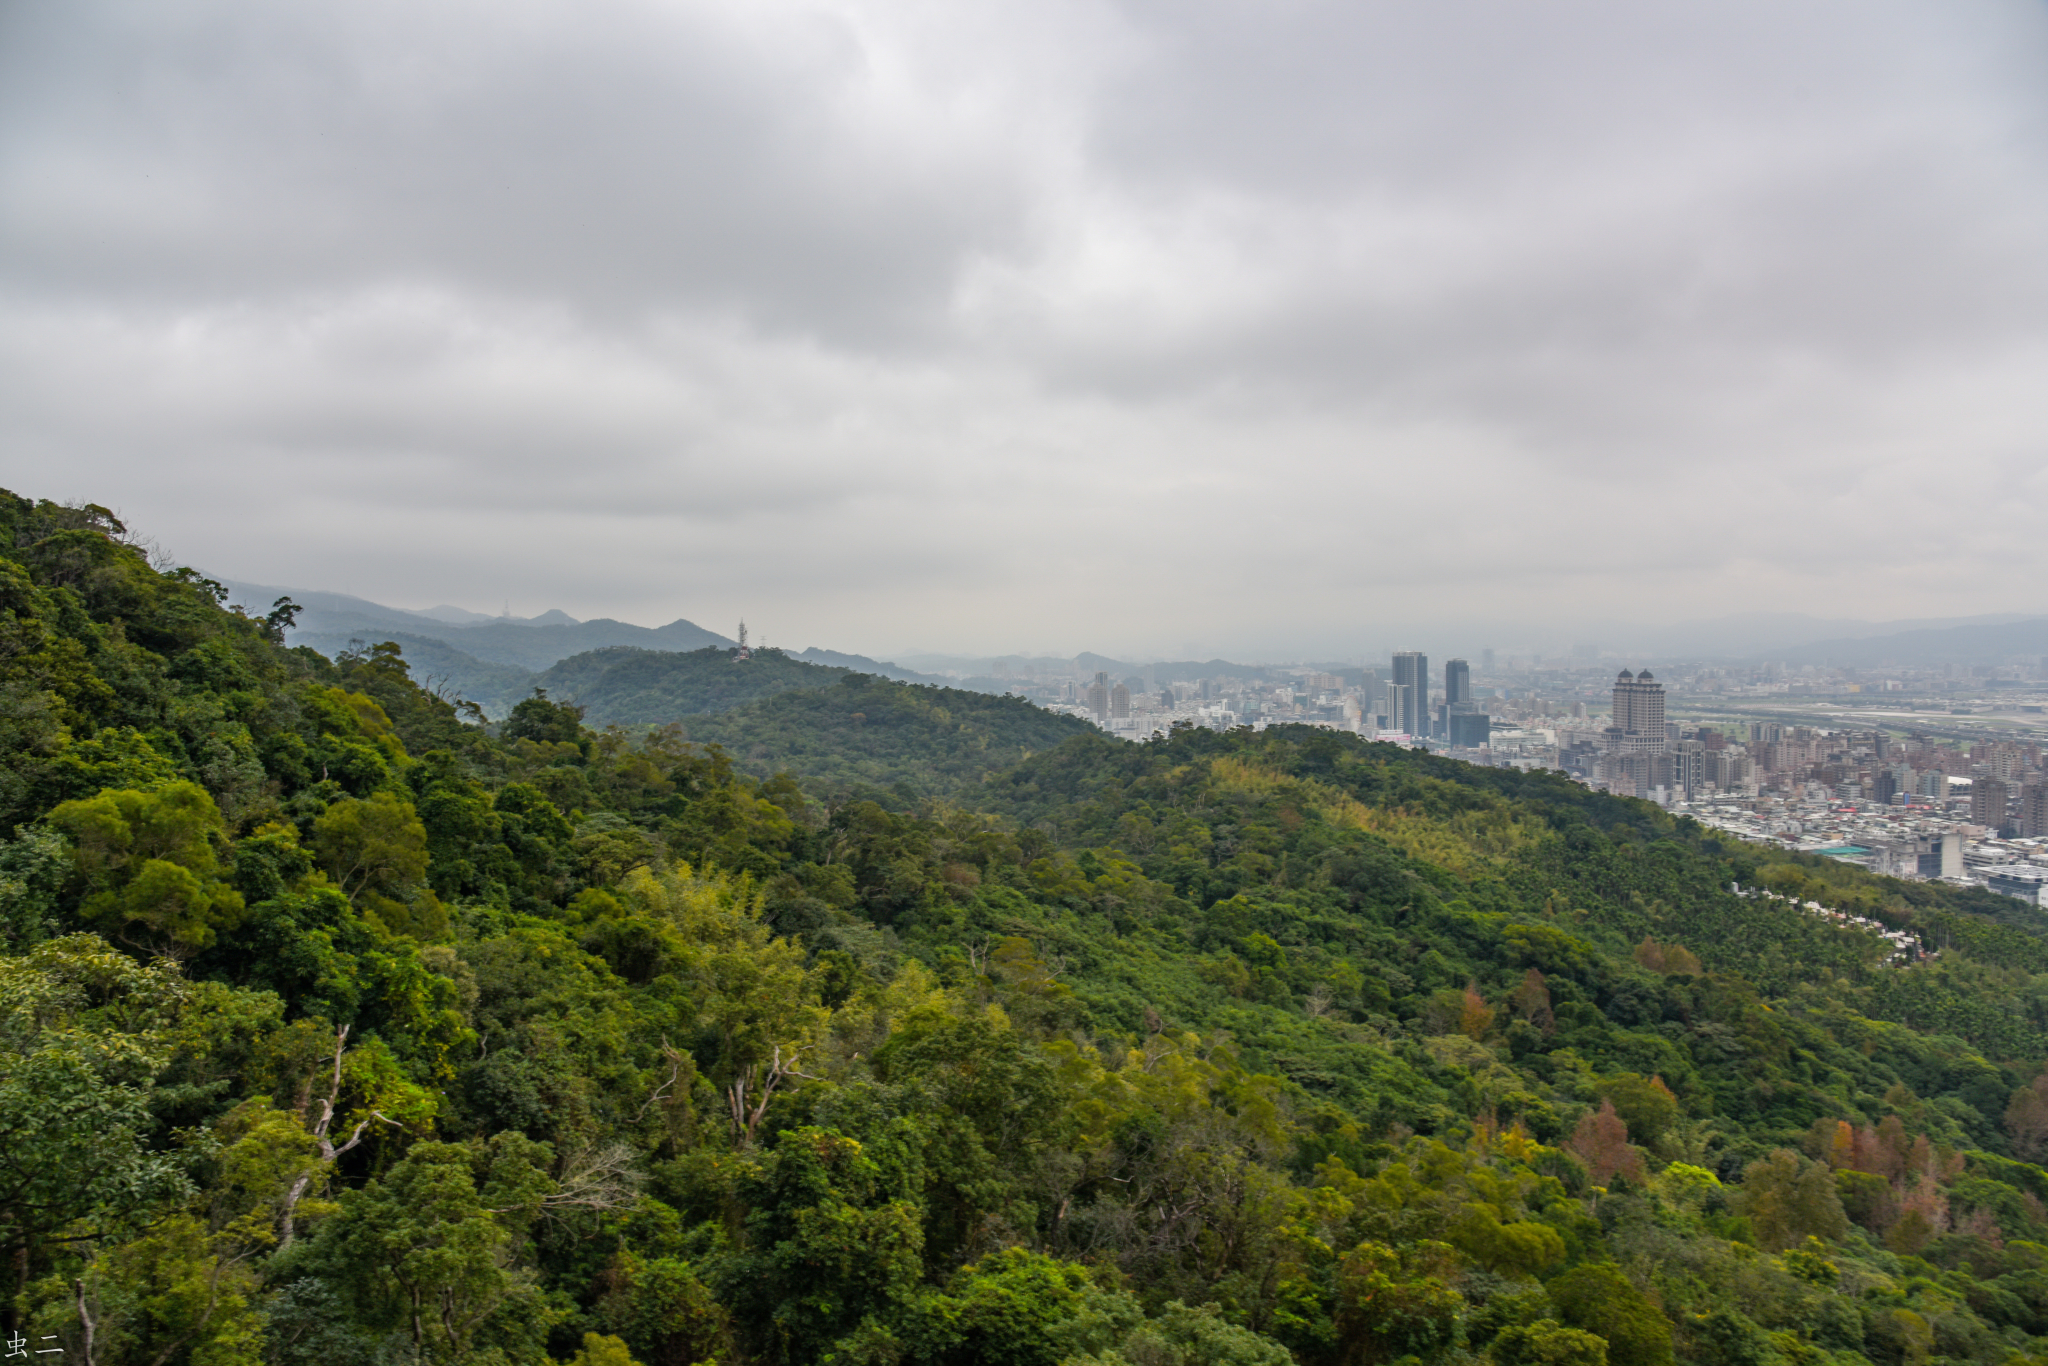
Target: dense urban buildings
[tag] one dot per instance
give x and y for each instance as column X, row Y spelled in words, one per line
column 1936, row 773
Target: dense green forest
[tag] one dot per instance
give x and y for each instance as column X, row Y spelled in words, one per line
column 337, row 1026
column 631, row 687
column 867, row 736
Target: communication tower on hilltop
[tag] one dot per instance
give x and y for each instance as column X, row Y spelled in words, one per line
column 742, row 652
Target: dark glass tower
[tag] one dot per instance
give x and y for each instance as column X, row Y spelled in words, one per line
column 1411, row 671
column 1457, row 682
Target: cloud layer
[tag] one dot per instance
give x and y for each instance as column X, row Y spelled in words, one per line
column 1281, row 328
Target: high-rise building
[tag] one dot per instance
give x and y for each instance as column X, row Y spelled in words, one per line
column 1638, row 724
column 1486, row 659
column 1727, row 769
column 1120, row 701
column 1398, row 695
column 1688, row 766
column 1457, row 682
column 1098, row 696
column 2034, row 810
column 1411, row 672
column 1987, row 802
column 1941, row 855
column 1473, row 729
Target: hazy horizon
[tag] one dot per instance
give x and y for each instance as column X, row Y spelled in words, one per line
column 1744, row 636
column 1183, row 329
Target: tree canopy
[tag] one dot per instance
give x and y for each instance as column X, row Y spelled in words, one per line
column 878, row 1023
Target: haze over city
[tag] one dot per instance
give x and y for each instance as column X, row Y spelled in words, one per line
column 1171, row 330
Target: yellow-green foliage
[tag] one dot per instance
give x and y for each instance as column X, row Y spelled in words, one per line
column 1465, row 843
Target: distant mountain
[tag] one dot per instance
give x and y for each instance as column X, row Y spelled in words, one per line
column 1975, row 644
column 1751, row 635
column 440, row 668
column 459, row 615
column 862, row 664
column 993, row 673
column 527, row 642
column 535, row 646
column 496, row 660
column 336, row 613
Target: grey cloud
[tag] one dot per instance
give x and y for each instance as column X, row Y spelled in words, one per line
column 1072, row 325
column 619, row 157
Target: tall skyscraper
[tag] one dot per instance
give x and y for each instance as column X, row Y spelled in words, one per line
column 1120, row 701
column 1457, row 682
column 1398, row 696
column 2034, row 810
column 1638, row 724
column 1411, row 672
column 1688, row 766
column 1098, row 697
column 1988, row 798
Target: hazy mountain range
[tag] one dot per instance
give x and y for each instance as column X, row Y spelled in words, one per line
column 495, row 661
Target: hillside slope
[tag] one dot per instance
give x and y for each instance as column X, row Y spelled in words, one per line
column 333, row 1029
column 624, row 686
column 867, row 733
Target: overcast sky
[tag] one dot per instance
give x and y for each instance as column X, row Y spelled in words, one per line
column 1275, row 328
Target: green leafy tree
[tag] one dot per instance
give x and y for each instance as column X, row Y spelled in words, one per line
column 543, row 721
column 1597, row 1298
column 147, row 860
column 76, row 1089
column 375, row 849
column 1110, row 1328
column 1547, row 1342
column 189, row 1286
column 1397, row 1304
column 832, row 1242
column 1789, row 1198
column 663, row 1311
column 34, row 866
column 1645, row 1104
column 424, row 1252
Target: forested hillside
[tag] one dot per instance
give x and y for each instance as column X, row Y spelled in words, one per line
column 868, row 735
column 632, row 687
column 337, row 1028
